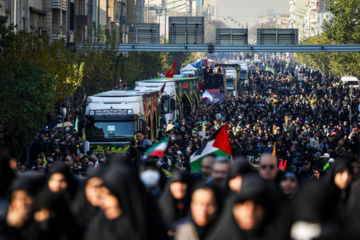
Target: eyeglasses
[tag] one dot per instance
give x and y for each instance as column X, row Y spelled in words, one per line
column 271, row 167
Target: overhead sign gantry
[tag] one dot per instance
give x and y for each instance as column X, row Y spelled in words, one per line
column 186, row 34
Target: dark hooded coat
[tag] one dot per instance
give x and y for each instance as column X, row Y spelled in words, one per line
column 253, row 188
column 139, row 218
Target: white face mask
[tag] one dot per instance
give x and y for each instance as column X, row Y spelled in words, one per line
column 150, row 178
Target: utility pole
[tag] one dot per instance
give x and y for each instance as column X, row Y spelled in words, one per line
column 68, row 24
column 15, row 15
column 165, row 29
column 163, row 6
column 26, row 16
column 190, row 9
column 121, row 21
column 135, row 6
column 98, row 21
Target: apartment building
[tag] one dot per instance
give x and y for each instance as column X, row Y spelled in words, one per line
column 322, row 15
column 76, row 19
column 297, row 11
column 310, row 19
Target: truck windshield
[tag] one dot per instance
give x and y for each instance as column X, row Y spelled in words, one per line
column 123, row 129
column 243, row 75
column 230, row 84
column 349, row 83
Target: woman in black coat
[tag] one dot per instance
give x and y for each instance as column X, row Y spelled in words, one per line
column 62, row 181
column 128, row 210
column 87, row 200
column 205, row 206
column 175, row 199
column 247, row 214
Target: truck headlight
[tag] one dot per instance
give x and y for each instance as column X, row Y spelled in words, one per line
column 130, row 111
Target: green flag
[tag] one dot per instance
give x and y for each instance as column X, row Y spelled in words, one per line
column 76, row 124
column 326, row 166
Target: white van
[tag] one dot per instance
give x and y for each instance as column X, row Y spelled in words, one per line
column 349, row 80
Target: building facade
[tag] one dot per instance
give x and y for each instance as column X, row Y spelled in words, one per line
column 322, row 15
column 74, row 20
column 308, row 16
column 310, row 19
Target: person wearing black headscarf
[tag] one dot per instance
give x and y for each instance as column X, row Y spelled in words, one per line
column 61, row 181
column 238, row 168
column 289, row 185
column 204, row 208
column 53, row 218
column 22, row 191
column 175, row 199
column 319, row 207
column 6, row 176
column 128, row 211
column 247, row 214
column 87, row 200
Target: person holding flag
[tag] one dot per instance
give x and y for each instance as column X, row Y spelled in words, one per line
column 138, row 147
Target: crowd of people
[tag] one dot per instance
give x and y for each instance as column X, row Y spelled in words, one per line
column 293, row 173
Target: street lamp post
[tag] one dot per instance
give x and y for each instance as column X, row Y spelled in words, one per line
column 68, row 24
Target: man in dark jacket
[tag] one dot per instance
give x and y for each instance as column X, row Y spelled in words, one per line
column 139, row 147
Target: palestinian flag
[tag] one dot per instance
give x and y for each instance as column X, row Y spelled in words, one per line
column 218, row 145
column 157, row 150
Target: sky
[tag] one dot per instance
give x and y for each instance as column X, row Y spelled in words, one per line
column 243, row 10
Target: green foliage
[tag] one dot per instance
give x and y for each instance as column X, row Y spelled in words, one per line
column 342, row 28
column 28, row 87
column 321, row 61
column 7, row 37
column 27, row 90
column 53, row 56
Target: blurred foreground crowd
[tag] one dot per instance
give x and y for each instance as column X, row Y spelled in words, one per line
column 225, row 200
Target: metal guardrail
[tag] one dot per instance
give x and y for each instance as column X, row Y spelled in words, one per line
column 228, row 48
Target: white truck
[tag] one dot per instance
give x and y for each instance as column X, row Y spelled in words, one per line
column 180, row 95
column 113, row 117
column 348, row 81
column 232, row 81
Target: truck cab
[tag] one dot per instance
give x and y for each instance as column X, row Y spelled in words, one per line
column 113, row 117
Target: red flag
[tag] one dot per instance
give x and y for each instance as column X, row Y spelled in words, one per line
column 170, row 73
column 222, row 140
column 283, row 164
